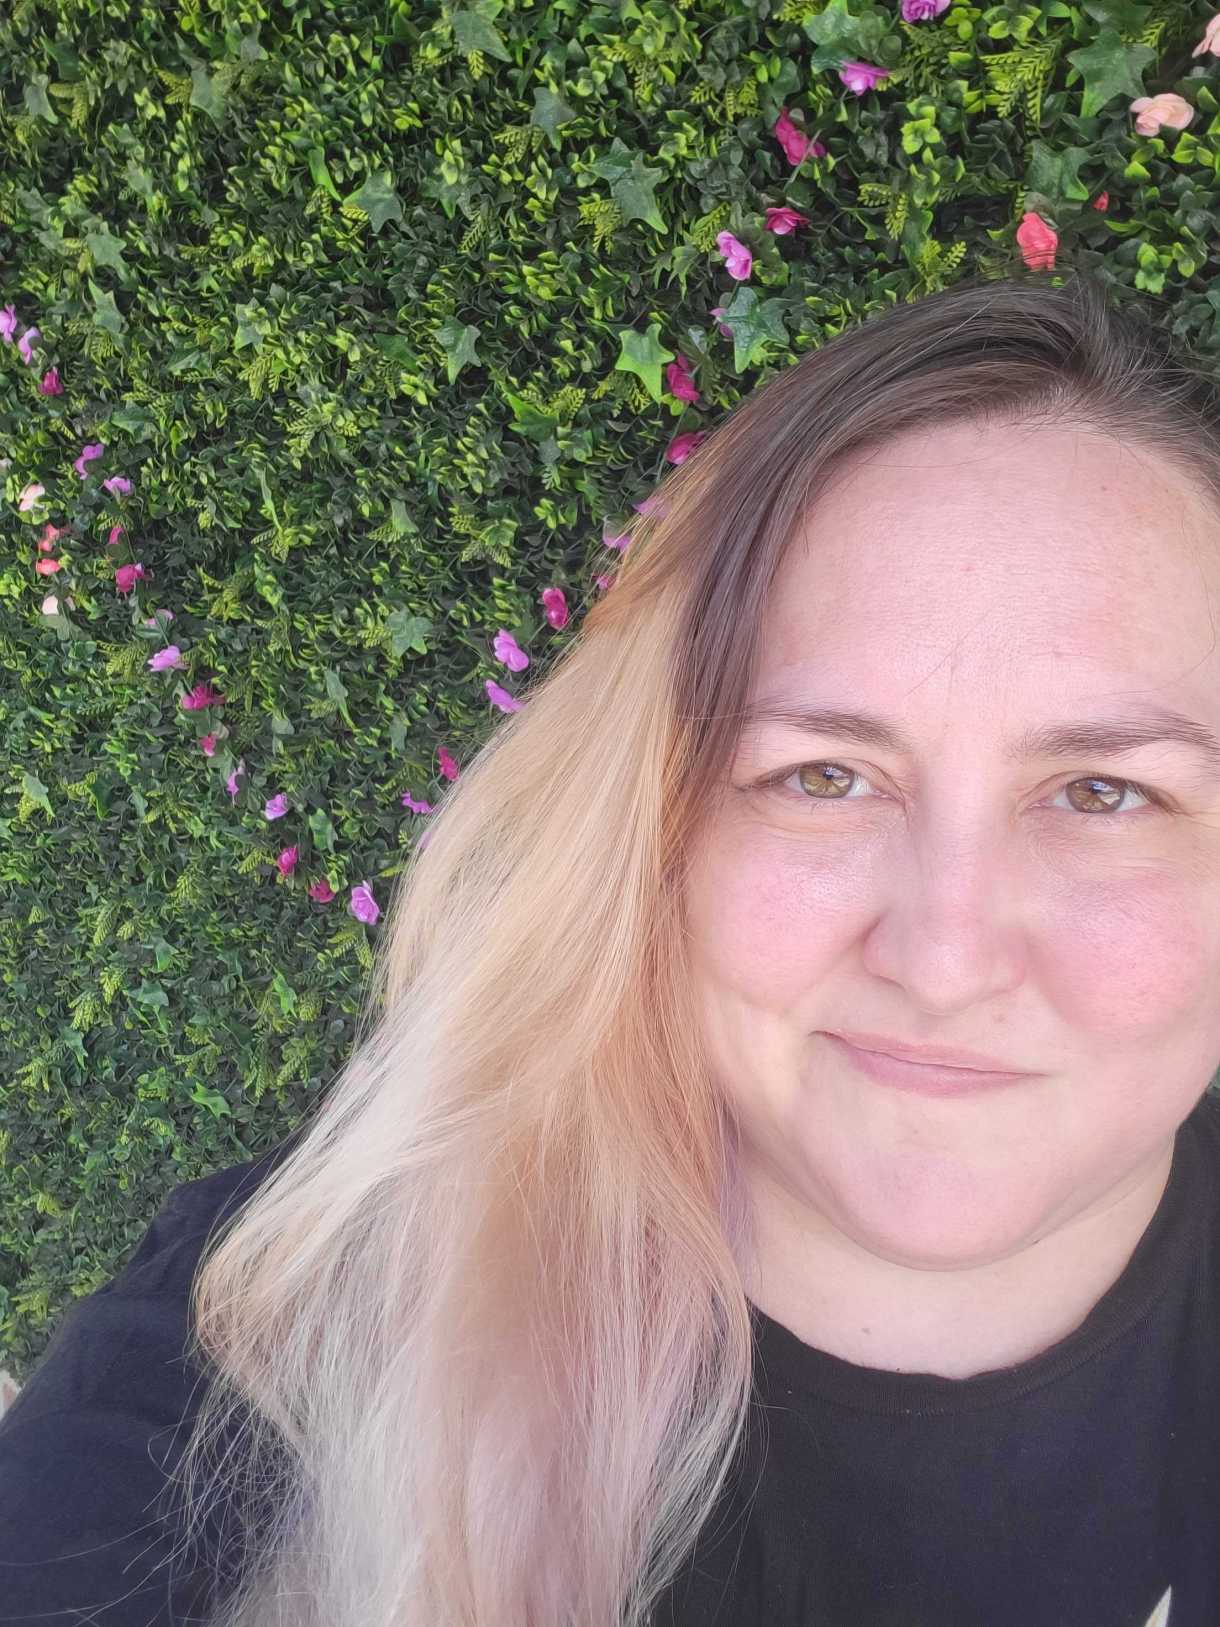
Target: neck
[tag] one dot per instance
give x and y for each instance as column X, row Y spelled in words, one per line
column 837, row 1296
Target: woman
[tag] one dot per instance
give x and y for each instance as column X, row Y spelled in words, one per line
column 626, row 1275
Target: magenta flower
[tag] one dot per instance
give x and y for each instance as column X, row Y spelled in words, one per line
column 160, row 618
column 322, row 891
column 862, row 76
column 796, row 144
column 287, row 860
column 681, row 447
column 93, row 450
column 416, row 806
column 8, row 323
column 126, row 577
column 363, row 905
column 30, row 495
column 621, row 539
column 500, row 697
column 117, row 485
column 116, row 531
column 604, row 582
column 51, row 384
column 24, row 343
column 231, row 782
column 737, row 257
column 509, row 651
column 678, row 378
column 448, row 766
column 169, row 657
column 208, row 745
column 725, row 330
column 277, row 807
column 200, row 698
column 785, row 220
column 922, row 11
column 651, row 505
column 556, row 606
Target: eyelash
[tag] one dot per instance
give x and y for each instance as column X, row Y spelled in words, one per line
column 1106, row 816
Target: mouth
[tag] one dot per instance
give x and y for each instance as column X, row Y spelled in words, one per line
column 922, row 1078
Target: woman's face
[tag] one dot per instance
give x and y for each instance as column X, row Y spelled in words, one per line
column 970, row 586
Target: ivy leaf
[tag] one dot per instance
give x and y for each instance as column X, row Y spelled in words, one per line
column 36, row 791
column 106, row 313
column 529, row 419
column 320, row 173
column 550, row 111
column 378, row 199
column 36, row 98
column 408, row 632
column 632, row 183
column 321, row 829
column 337, row 692
column 205, row 95
column 844, row 37
column 644, row 355
column 473, row 30
column 458, row 340
column 1125, row 16
column 1110, row 69
column 252, row 326
column 1055, row 174
column 756, row 324
column 107, row 249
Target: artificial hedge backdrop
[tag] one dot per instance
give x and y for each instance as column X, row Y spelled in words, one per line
column 338, row 342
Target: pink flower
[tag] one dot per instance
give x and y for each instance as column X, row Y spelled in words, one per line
column 510, row 652
column 46, row 544
column 922, row 11
column 1102, row 202
column 784, row 220
column 448, row 766
column 287, row 860
column 93, row 450
column 116, row 532
column 51, row 534
column 208, row 745
column 862, row 76
column 48, row 567
column 651, row 505
column 725, row 330
column 8, row 323
column 169, row 657
column 621, row 540
column 126, row 577
column 500, row 697
column 51, row 384
column 200, row 698
column 231, row 782
column 30, row 495
column 50, row 605
column 277, row 807
column 1211, row 38
column 322, row 891
column 796, row 144
column 737, row 257
column 363, row 905
column 415, row 805
column 1167, row 109
column 604, row 582
column 161, row 618
column 117, row 485
column 24, row 343
column 681, row 447
column 1037, row 241
column 678, row 378
column 556, row 606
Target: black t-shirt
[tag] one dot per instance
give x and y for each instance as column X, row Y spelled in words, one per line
column 1076, row 1489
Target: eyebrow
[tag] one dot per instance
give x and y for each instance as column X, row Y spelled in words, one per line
column 1107, row 736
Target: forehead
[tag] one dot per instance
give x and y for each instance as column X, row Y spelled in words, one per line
column 1003, row 552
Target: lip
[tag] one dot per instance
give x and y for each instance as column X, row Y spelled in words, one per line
column 924, row 1078
column 941, row 1056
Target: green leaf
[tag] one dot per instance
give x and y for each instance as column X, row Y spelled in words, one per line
column 458, row 340
column 846, row 37
column 150, row 994
column 644, row 355
column 252, row 326
column 473, row 30
column 321, row 829
column 755, row 324
column 320, row 173
column 284, row 993
column 133, row 418
column 337, row 692
column 1110, row 69
column 631, row 183
column 1056, row 174
column 36, row 98
column 550, row 111
column 211, row 1099
column 528, row 418
column 396, row 348
column 107, row 249
column 378, row 199
column 36, row 791
column 205, row 95
column 106, row 313
column 408, row 632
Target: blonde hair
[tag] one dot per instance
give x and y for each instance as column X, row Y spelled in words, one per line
column 480, row 1348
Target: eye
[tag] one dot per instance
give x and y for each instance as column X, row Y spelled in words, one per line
column 1103, row 797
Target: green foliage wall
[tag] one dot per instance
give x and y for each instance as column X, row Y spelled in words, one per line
column 358, row 335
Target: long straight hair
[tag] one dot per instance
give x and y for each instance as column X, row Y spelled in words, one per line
column 480, row 1348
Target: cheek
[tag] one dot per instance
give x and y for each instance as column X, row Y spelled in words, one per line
column 1135, row 956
